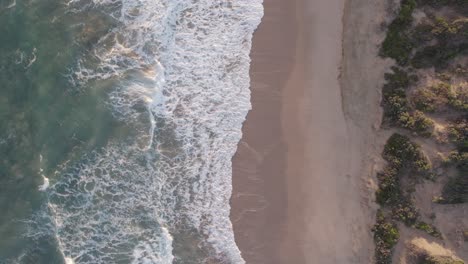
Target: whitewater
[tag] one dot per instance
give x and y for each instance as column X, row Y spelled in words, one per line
column 176, row 76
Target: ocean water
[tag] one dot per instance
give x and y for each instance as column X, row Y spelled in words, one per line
column 118, row 122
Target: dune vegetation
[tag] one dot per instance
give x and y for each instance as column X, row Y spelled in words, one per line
column 425, row 99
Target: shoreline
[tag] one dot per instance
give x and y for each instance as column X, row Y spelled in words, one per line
column 259, row 201
column 314, row 203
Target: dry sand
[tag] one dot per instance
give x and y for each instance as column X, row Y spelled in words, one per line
column 303, row 174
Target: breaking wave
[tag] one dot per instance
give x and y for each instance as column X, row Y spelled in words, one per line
column 179, row 82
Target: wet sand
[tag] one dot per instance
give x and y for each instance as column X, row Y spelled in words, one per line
column 303, row 173
column 259, row 198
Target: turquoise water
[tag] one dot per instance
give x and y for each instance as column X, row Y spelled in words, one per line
column 118, row 122
column 41, row 114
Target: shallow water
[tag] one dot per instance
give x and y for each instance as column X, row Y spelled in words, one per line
column 118, row 122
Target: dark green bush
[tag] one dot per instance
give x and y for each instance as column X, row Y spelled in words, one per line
column 461, row 6
column 394, row 101
column 405, row 212
column 417, row 122
column 422, row 33
column 400, row 152
column 404, row 158
column 386, row 236
column 429, row 229
column 433, row 98
column 399, row 78
column 440, row 96
column 437, row 55
column 396, row 107
column 422, row 124
column 456, row 190
column 458, row 131
column 397, row 44
column 389, row 187
column 459, row 99
column 451, row 41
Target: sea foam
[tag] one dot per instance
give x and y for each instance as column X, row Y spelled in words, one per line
column 183, row 86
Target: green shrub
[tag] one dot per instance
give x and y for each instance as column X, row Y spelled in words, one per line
column 401, row 152
column 404, row 158
column 389, row 187
column 417, row 122
column 440, row 3
column 429, row 229
column 437, row 55
column 425, row 100
column 456, row 190
column 432, row 98
column 461, row 6
column 397, row 44
column 437, row 97
column 399, row 78
column 405, row 212
column 396, row 107
column 458, row 99
column 394, row 94
column 422, row 33
column 386, row 236
column 443, row 27
column 458, row 131
column 422, row 124
column 451, row 41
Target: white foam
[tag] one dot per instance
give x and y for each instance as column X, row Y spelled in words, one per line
column 69, row 261
column 13, row 4
column 45, row 180
column 33, row 58
column 45, row 185
column 192, row 63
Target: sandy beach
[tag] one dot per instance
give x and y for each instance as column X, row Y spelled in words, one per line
column 303, row 174
column 259, row 200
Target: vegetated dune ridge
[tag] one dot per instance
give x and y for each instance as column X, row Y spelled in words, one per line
column 423, row 189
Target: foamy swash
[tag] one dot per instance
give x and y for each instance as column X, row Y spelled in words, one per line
column 180, row 82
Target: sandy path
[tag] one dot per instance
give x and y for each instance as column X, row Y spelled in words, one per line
column 320, row 191
column 333, row 97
